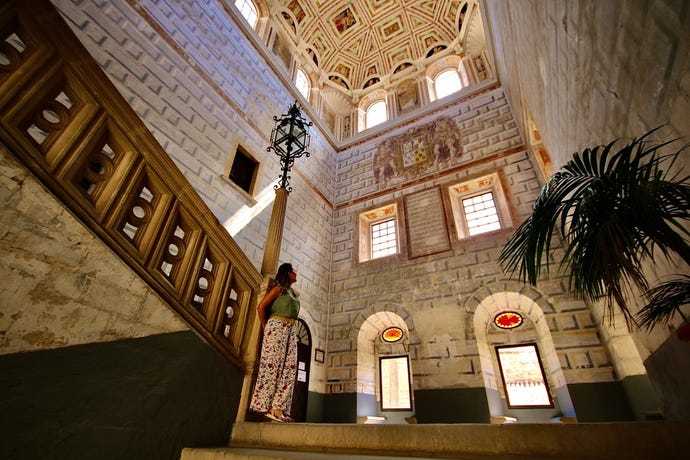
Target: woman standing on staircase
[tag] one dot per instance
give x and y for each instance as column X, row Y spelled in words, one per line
column 278, row 312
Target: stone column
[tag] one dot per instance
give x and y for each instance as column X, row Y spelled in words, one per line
column 275, row 234
column 269, row 266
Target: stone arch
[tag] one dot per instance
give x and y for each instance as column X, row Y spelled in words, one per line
column 503, row 295
column 369, row 328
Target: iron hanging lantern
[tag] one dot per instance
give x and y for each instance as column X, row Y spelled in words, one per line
column 289, row 140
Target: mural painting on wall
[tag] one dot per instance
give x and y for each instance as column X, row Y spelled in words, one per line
column 343, row 70
column 346, row 126
column 282, row 50
column 408, row 97
column 417, row 151
column 290, row 21
column 480, row 67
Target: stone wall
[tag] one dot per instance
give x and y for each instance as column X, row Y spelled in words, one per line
column 590, row 72
column 599, row 71
column 445, row 300
column 86, row 345
column 61, row 285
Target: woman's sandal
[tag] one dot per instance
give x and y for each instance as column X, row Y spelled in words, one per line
column 277, row 418
column 272, row 417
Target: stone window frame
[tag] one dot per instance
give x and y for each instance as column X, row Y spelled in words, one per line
column 366, row 218
column 437, row 80
column 365, row 104
column 368, row 112
column 381, row 373
column 450, row 62
column 247, row 193
column 457, row 190
column 301, row 74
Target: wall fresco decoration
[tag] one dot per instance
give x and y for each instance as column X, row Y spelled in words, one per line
column 417, row 151
column 289, row 21
column 408, row 96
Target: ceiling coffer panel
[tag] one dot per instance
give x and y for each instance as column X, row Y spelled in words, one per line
column 352, row 37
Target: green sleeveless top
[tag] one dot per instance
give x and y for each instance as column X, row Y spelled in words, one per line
column 286, row 305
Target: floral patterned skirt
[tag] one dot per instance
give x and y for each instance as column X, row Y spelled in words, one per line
column 277, row 368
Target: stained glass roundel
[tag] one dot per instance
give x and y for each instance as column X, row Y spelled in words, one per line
column 392, row 334
column 508, row 320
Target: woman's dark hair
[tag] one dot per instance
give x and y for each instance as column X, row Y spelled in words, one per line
column 283, row 275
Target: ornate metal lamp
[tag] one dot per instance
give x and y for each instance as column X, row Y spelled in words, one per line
column 289, row 140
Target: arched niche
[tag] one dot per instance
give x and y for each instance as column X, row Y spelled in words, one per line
column 526, row 303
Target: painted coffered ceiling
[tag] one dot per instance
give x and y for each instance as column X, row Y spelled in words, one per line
column 357, row 43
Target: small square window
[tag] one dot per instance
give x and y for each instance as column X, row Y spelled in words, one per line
column 479, row 206
column 243, row 170
column 384, row 240
column 378, row 233
column 481, row 214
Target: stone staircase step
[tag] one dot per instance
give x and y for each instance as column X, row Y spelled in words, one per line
column 241, row 453
column 657, row 440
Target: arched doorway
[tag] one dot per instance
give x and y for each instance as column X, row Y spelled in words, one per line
column 300, row 395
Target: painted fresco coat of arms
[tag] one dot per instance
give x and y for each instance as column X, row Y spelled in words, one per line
column 417, row 151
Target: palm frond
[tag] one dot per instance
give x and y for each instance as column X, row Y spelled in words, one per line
column 612, row 206
column 665, row 301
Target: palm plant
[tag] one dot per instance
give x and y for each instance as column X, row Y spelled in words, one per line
column 613, row 207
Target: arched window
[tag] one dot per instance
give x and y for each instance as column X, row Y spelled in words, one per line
column 376, row 114
column 249, row 11
column 302, row 83
column 395, row 386
column 447, row 82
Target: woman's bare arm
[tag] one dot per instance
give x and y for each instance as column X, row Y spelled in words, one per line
column 265, row 304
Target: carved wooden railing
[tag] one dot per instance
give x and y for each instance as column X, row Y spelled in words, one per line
column 66, row 122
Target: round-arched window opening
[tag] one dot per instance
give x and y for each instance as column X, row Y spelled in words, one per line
column 248, row 11
column 302, row 83
column 508, row 320
column 447, row 82
column 392, row 334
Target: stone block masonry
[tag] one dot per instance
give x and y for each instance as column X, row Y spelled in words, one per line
column 437, row 294
column 62, row 286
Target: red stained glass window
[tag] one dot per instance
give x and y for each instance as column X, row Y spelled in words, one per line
column 508, row 320
column 392, row 334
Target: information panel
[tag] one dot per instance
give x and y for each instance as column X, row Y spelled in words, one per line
column 427, row 232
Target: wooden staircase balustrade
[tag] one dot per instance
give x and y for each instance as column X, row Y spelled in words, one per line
column 66, row 122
